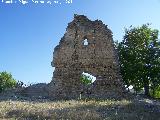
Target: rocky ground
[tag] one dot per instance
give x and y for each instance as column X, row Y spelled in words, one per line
column 133, row 108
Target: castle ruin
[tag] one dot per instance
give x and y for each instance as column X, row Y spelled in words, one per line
column 98, row 57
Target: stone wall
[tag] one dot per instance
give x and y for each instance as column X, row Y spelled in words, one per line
column 72, row 57
column 38, row 90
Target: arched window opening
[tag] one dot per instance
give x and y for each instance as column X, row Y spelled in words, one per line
column 87, row 78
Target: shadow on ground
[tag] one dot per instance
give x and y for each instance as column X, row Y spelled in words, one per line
column 134, row 109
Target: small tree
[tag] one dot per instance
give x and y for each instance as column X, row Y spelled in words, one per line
column 6, row 81
column 139, row 55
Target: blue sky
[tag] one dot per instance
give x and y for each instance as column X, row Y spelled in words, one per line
column 29, row 33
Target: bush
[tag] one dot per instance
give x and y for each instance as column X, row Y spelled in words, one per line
column 155, row 93
column 86, row 79
column 6, row 81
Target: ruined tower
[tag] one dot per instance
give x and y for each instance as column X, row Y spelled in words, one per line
column 98, row 57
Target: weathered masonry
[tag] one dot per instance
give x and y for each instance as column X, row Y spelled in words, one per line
column 87, row 46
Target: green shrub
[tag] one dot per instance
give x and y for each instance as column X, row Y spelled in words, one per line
column 6, row 81
column 86, row 79
column 155, row 93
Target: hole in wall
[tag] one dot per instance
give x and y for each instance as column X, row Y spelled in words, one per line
column 85, row 42
column 87, row 78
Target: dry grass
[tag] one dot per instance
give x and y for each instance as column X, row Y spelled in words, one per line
column 78, row 110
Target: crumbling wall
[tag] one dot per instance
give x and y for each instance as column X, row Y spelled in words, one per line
column 38, row 90
column 71, row 58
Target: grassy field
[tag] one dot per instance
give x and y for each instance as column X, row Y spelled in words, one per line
column 79, row 110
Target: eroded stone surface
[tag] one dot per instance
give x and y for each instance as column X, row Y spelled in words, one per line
column 35, row 91
column 98, row 57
